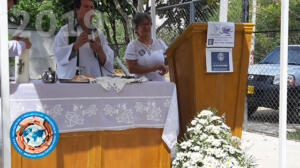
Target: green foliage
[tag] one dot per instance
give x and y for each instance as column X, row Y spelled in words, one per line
column 269, row 19
column 264, row 43
column 234, row 12
column 33, row 8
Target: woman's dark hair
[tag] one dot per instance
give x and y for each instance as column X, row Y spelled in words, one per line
column 139, row 17
column 77, row 4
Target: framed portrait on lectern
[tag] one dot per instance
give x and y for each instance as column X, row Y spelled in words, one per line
column 219, row 60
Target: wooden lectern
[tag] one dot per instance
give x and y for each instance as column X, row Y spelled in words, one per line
column 197, row 89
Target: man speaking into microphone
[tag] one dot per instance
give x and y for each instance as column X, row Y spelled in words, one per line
column 80, row 47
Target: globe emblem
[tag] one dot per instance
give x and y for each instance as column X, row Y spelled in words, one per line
column 34, row 134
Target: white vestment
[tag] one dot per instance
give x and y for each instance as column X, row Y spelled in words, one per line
column 66, row 64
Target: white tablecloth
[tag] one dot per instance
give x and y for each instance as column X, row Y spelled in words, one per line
column 86, row 107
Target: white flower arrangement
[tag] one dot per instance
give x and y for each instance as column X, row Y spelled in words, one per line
column 208, row 143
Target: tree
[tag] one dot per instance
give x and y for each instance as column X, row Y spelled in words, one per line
column 268, row 23
column 115, row 15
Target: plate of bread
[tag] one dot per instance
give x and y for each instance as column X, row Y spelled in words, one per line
column 83, row 78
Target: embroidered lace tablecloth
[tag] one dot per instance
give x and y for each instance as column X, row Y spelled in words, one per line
column 86, row 107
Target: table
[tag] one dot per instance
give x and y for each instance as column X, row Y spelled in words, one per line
column 135, row 127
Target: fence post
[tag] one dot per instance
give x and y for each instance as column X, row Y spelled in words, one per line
column 223, row 10
column 245, row 11
column 153, row 14
column 192, row 12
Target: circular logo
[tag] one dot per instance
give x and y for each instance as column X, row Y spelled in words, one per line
column 220, row 57
column 34, row 134
column 142, row 52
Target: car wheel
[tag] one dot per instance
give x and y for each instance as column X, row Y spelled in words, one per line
column 251, row 109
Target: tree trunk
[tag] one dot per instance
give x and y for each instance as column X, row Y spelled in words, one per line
column 126, row 37
column 140, row 8
column 106, row 29
column 113, row 26
column 126, row 18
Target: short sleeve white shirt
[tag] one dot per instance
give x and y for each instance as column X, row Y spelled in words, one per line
column 147, row 56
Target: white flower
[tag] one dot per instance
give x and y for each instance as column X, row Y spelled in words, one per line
column 190, row 129
column 185, row 145
column 213, row 129
column 216, row 143
column 204, row 113
column 203, row 121
column 186, row 165
column 203, row 137
column 210, row 151
column 219, row 153
column 210, row 139
column 198, row 129
column 231, row 150
column 224, row 126
column 195, row 148
column 180, row 156
column 216, row 130
column 228, row 164
column 194, row 122
column 210, row 162
column 210, row 144
column 234, row 161
column 196, row 157
column 214, row 118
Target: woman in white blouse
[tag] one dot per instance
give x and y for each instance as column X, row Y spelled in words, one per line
column 144, row 56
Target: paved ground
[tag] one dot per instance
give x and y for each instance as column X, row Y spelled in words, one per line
column 265, row 149
column 265, row 120
column 262, row 140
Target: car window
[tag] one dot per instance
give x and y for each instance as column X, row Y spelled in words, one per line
column 294, row 55
column 274, row 56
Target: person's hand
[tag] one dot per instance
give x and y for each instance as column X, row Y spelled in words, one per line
column 25, row 40
column 161, row 68
column 95, row 45
column 82, row 39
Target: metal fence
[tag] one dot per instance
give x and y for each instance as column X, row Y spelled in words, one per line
column 263, row 93
column 263, row 84
column 174, row 19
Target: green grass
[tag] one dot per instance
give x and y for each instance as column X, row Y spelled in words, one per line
column 293, row 135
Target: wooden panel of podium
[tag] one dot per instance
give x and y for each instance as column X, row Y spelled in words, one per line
column 133, row 148
column 197, row 89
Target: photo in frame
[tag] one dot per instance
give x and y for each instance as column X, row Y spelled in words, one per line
column 219, row 60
